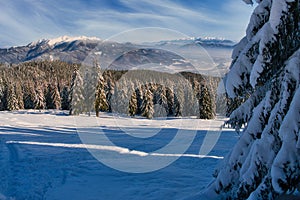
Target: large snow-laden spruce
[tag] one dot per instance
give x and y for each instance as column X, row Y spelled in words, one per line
column 265, row 162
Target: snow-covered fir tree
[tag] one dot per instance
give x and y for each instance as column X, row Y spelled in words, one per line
column 162, row 100
column 265, row 72
column 39, row 99
column 12, row 100
column 19, row 95
column 212, row 84
column 91, row 76
column 2, row 94
column 221, row 102
column 101, row 103
column 179, row 91
column 122, row 94
column 148, row 106
column 110, row 89
column 55, row 95
column 177, row 107
column 206, row 110
column 133, row 104
column 113, row 100
column 190, row 103
column 65, row 104
column 53, row 100
column 170, row 101
column 140, row 98
column 76, row 94
column 29, row 95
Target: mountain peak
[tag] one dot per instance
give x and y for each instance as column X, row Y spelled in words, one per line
column 62, row 39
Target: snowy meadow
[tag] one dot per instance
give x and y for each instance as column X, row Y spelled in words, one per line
column 45, row 156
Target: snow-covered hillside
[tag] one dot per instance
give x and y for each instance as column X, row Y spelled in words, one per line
column 42, row 156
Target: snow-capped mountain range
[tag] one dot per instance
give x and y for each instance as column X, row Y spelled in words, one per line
column 172, row 53
column 62, row 39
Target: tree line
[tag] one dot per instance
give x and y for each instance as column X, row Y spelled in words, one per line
column 35, row 85
column 86, row 89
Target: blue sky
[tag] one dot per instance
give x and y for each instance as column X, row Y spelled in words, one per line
column 23, row 21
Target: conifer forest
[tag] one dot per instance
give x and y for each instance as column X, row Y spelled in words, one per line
column 83, row 90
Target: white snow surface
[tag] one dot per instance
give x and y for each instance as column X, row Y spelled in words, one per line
column 42, row 157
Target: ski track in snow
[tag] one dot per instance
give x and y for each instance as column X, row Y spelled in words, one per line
column 42, row 157
column 106, row 148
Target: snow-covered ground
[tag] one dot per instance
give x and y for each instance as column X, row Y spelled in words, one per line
column 43, row 156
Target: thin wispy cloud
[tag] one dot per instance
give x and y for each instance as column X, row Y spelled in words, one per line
column 23, row 21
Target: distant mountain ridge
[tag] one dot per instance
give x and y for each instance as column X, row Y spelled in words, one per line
column 76, row 49
column 205, row 42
